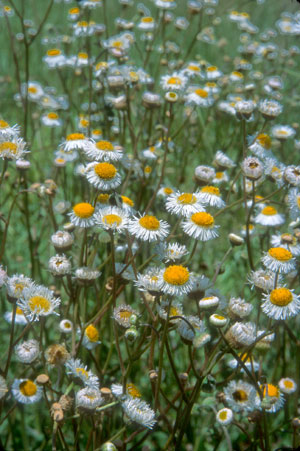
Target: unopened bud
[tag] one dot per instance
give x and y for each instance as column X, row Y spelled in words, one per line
column 42, row 379
column 153, row 375
column 235, row 240
column 131, row 334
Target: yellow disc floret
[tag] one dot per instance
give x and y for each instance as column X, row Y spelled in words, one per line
column 92, row 333
column 105, row 145
column 201, row 93
column 280, row 253
column 223, row 415
column 106, row 171
column 240, row 396
column 83, row 210
column 149, row 222
column 3, row 124
column 8, row 146
column 174, row 81
column 103, row 198
column 28, row 388
column 186, row 199
column 271, row 390
column 53, row 52
column 39, row 304
column 75, row 136
column 202, row 219
column 127, row 201
column 281, row 297
column 133, row 391
column 211, row 190
column 112, row 220
column 269, row 211
column 176, row 275
column 264, row 140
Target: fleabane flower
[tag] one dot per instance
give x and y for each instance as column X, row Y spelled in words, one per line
column 210, row 195
column 88, row 399
column 287, row 385
column 75, row 141
column 224, row 416
column 199, row 97
column 240, row 396
column 79, row 371
column 176, row 280
column 281, row 303
column 103, row 176
column 148, row 228
column 184, row 204
column 273, row 396
column 174, row 82
column 82, row 215
column 139, row 412
column 104, row 151
column 201, row 226
column 27, row 351
column 90, row 337
column 282, row 132
column 26, row 391
column 171, row 251
column 13, row 149
column 112, row 218
column 279, row 259
column 269, row 216
column 38, row 301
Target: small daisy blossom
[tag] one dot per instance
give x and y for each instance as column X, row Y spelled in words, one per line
column 148, row 228
column 149, row 281
column 80, row 372
column 19, row 318
column 224, row 416
column 82, row 215
column 90, row 337
column 122, row 315
column 279, row 259
column 210, row 195
column 184, row 204
column 199, row 97
column 269, row 217
column 75, row 141
column 292, row 175
column 88, row 398
column 174, row 82
column 201, row 226
column 38, row 301
column 282, row 132
column 281, row 303
column 104, row 176
column 131, row 392
column 176, row 280
column 171, row 251
column 26, row 391
column 139, row 412
column 240, row 396
column 66, row 326
column 287, row 385
column 104, row 151
column 112, row 218
column 287, row 241
column 272, row 394
column 16, row 284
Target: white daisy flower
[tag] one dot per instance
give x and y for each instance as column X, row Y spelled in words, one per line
column 104, row 151
column 279, row 259
column 223, row 161
column 175, row 310
column 82, row 215
column 147, row 23
column 88, row 399
column 26, row 391
column 209, row 302
column 13, row 149
column 224, row 416
column 201, row 226
column 270, row 109
column 240, row 396
column 282, row 132
column 66, row 326
column 210, row 195
column 269, row 216
column 27, row 351
column 139, row 412
column 75, row 141
column 16, row 284
column 281, row 303
column 199, row 97
column 149, row 281
column 292, row 175
column 220, row 177
column 288, row 241
column 242, row 334
column 263, row 279
column 59, row 265
column 287, row 385
column 80, row 372
column 104, row 176
column 176, row 280
column 19, row 318
column 122, row 315
column 38, row 301
column 148, row 228
column 62, row 241
column 87, row 275
column 131, row 391
column 184, row 204
column 7, row 132
column 175, row 82
column 272, row 395
column 171, row 251
column 112, row 218
column 213, row 73
column 51, row 120
column 217, row 320
column 90, row 337
column 54, row 58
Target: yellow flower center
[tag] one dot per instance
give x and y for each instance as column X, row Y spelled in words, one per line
column 6, row 145
column 203, row 219
column 117, row 44
column 186, row 199
column 219, row 175
column 97, row 131
column 219, row 317
column 210, row 84
column 211, row 69
column 148, row 169
column 82, row 372
column 237, row 74
column 133, row 391
column 3, row 124
column 103, row 198
column 84, row 122
column 74, row 10
column 105, row 145
column 67, row 325
column 281, row 297
column 19, row 311
column 83, row 23
column 106, row 171
column 168, row 191
column 149, row 222
column 240, row 396
column 83, row 55
column 83, row 210
column 298, row 202
column 112, row 220
column 127, row 201
column 174, row 311
column 223, row 415
column 280, row 253
column 75, row 136
column 174, row 81
column 92, row 333
column 201, row 93
column 271, row 391
column 264, row 140
column 125, row 314
column 52, row 116
column 39, row 304
column 176, row 275
column 269, row 211
column 288, row 384
column 282, row 132
column 28, row 388
column 211, row 190
column 53, row 52
column 147, row 19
